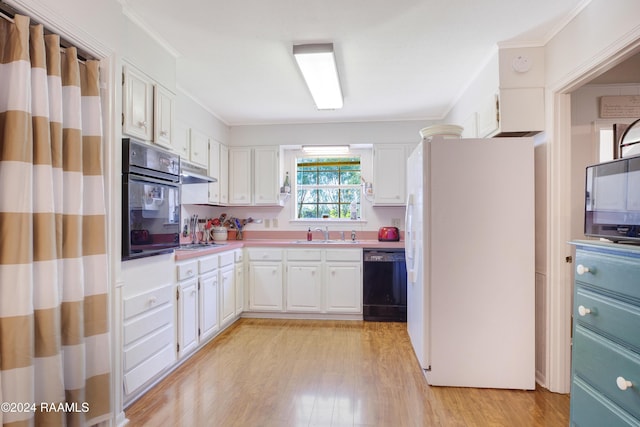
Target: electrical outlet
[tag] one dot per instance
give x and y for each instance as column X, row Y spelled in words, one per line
column 395, row 222
column 275, row 222
column 267, row 223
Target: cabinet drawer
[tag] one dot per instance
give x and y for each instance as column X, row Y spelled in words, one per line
column 227, row 258
column 144, row 372
column 239, row 254
column 304, row 255
column 148, row 322
column 344, row 255
column 613, row 317
column 138, row 304
column 257, row 254
column 147, row 347
column 612, row 272
column 600, row 361
column 187, row 270
column 590, row 409
column 206, row 264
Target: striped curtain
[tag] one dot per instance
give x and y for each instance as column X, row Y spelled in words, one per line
column 54, row 341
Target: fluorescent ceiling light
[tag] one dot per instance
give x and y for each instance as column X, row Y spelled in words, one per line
column 318, row 66
column 325, row 149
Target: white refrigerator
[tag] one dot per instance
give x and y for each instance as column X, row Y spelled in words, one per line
column 469, row 244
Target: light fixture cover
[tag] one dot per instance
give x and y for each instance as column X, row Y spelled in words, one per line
column 325, row 149
column 318, row 66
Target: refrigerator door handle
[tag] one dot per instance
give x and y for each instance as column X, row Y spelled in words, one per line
column 409, row 252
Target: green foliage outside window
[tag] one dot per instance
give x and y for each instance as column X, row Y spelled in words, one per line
column 327, row 186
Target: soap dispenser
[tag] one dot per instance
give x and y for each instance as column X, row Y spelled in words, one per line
column 309, row 235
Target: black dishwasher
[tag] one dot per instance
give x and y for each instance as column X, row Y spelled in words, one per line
column 384, row 285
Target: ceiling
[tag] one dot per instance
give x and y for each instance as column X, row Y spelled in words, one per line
column 397, row 60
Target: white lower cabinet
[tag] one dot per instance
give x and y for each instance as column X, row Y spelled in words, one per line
column 265, row 279
column 227, row 287
column 304, row 280
column 147, row 328
column 315, row 281
column 187, row 316
column 198, row 315
column 239, row 271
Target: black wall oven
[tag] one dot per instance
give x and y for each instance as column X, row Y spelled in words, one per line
column 150, row 200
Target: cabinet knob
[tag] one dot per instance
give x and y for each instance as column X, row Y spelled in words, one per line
column 142, row 124
column 193, row 292
column 189, row 272
column 623, row 384
column 581, row 269
column 583, row 311
column 153, row 300
column 164, row 133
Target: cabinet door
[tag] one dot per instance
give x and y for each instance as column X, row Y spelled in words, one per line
column 266, row 175
column 209, row 322
column 227, row 279
column 137, row 108
column 163, row 116
column 304, row 287
column 389, row 181
column 199, row 148
column 239, row 282
column 180, row 140
column 343, row 283
column 223, row 179
column 240, row 176
column 187, row 316
column 265, row 286
column 214, row 171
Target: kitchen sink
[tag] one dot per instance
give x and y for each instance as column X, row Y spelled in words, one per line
column 325, row 242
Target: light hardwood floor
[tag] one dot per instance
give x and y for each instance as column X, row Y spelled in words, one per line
column 263, row 372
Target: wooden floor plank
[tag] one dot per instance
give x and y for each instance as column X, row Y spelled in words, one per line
column 265, row 372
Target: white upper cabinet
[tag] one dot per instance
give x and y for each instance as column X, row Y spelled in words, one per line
column 137, row 108
column 214, row 171
column 180, row 142
column 389, row 176
column 199, row 148
column 240, row 176
column 266, row 162
column 253, row 176
column 223, row 179
column 147, row 108
column 163, row 116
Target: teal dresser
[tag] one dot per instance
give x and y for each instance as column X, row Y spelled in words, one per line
column 605, row 377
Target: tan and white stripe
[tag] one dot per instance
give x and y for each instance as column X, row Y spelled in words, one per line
column 54, row 343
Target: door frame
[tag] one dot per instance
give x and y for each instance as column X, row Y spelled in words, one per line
column 560, row 271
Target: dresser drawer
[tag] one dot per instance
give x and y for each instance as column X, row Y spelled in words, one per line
column 304, row 255
column 257, row 254
column 610, row 316
column 208, row 263
column 142, row 350
column 147, row 370
column 187, row 270
column 140, row 326
column 600, row 362
column 608, row 271
column 591, row 409
column 138, row 304
column 227, row 258
column 344, row 255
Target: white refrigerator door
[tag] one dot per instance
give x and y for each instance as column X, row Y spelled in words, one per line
column 481, row 272
column 417, row 291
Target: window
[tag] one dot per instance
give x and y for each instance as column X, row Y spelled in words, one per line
column 326, row 187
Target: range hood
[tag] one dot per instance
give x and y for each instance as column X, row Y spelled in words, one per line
column 191, row 173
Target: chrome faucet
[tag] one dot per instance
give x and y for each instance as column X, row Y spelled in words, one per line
column 325, row 232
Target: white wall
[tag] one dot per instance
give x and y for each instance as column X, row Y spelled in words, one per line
column 191, row 114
